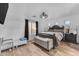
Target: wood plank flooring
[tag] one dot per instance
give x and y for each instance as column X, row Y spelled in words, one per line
column 31, row 49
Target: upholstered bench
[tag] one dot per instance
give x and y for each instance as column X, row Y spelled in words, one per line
column 44, row 42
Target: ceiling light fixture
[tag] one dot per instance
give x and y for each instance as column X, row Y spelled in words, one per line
column 43, row 15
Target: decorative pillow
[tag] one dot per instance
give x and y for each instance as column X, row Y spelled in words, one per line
column 23, row 38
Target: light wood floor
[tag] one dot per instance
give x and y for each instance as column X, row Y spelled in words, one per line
column 31, row 49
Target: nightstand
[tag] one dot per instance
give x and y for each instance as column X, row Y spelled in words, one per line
column 70, row 37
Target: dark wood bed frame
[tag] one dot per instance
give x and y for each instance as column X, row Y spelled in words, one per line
column 56, row 28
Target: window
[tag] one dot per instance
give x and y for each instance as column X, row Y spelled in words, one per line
column 67, row 22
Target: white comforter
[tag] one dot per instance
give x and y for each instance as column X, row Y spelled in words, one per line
column 58, row 35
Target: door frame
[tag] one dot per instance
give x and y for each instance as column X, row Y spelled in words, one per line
column 26, row 33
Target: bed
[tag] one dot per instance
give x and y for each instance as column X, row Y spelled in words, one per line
column 48, row 40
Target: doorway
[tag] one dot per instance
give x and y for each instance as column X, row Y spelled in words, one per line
column 31, row 29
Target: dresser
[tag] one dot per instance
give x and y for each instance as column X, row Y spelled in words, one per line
column 70, row 37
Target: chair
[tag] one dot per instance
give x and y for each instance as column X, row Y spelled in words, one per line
column 6, row 44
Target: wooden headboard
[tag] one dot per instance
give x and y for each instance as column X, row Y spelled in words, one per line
column 56, row 28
